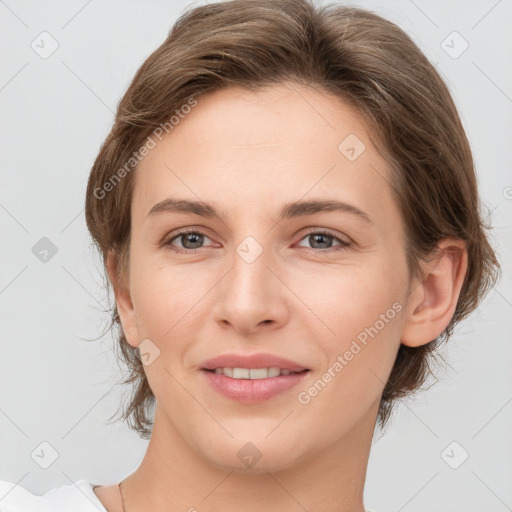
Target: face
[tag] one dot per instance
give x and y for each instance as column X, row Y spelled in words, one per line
column 324, row 288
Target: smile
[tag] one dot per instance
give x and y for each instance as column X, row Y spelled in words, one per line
column 253, row 373
column 252, row 385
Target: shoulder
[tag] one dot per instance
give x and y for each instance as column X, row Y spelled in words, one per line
column 78, row 496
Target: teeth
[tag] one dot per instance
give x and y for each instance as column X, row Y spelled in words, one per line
column 252, row 373
column 274, row 372
column 241, row 373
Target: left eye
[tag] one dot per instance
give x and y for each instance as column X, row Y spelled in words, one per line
column 323, row 239
column 191, row 240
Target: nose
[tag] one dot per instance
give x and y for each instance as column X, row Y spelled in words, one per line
column 251, row 297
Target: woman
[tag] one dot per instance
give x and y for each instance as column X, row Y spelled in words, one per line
column 288, row 214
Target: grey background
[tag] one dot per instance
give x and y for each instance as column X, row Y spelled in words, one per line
column 57, row 388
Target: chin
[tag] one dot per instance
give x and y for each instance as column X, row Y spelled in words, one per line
column 258, row 457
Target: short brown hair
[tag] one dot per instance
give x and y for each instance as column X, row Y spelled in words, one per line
column 357, row 56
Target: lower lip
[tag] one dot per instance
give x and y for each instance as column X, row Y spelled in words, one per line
column 252, row 390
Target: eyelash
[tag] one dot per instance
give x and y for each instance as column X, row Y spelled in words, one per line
column 343, row 244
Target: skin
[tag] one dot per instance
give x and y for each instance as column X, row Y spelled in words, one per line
column 248, row 154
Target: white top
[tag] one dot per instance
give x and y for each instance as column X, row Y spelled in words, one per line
column 77, row 497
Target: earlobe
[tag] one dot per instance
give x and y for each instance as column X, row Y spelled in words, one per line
column 432, row 302
column 124, row 302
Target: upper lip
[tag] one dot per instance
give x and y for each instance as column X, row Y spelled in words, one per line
column 261, row 360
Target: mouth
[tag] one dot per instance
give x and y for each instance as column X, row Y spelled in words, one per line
column 254, row 373
column 252, row 385
column 252, row 378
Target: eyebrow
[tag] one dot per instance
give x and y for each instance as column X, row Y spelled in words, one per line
column 289, row 210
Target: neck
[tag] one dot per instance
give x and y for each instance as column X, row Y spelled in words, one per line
column 173, row 476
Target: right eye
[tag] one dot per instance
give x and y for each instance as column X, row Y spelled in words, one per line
column 193, row 238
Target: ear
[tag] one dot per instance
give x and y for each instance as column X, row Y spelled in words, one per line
column 123, row 301
column 432, row 302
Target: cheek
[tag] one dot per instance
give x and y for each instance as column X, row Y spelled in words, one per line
column 162, row 296
column 358, row 298
column 364, row 310
column 366, row 320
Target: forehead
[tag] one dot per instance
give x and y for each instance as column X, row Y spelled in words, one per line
column 264, row 148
